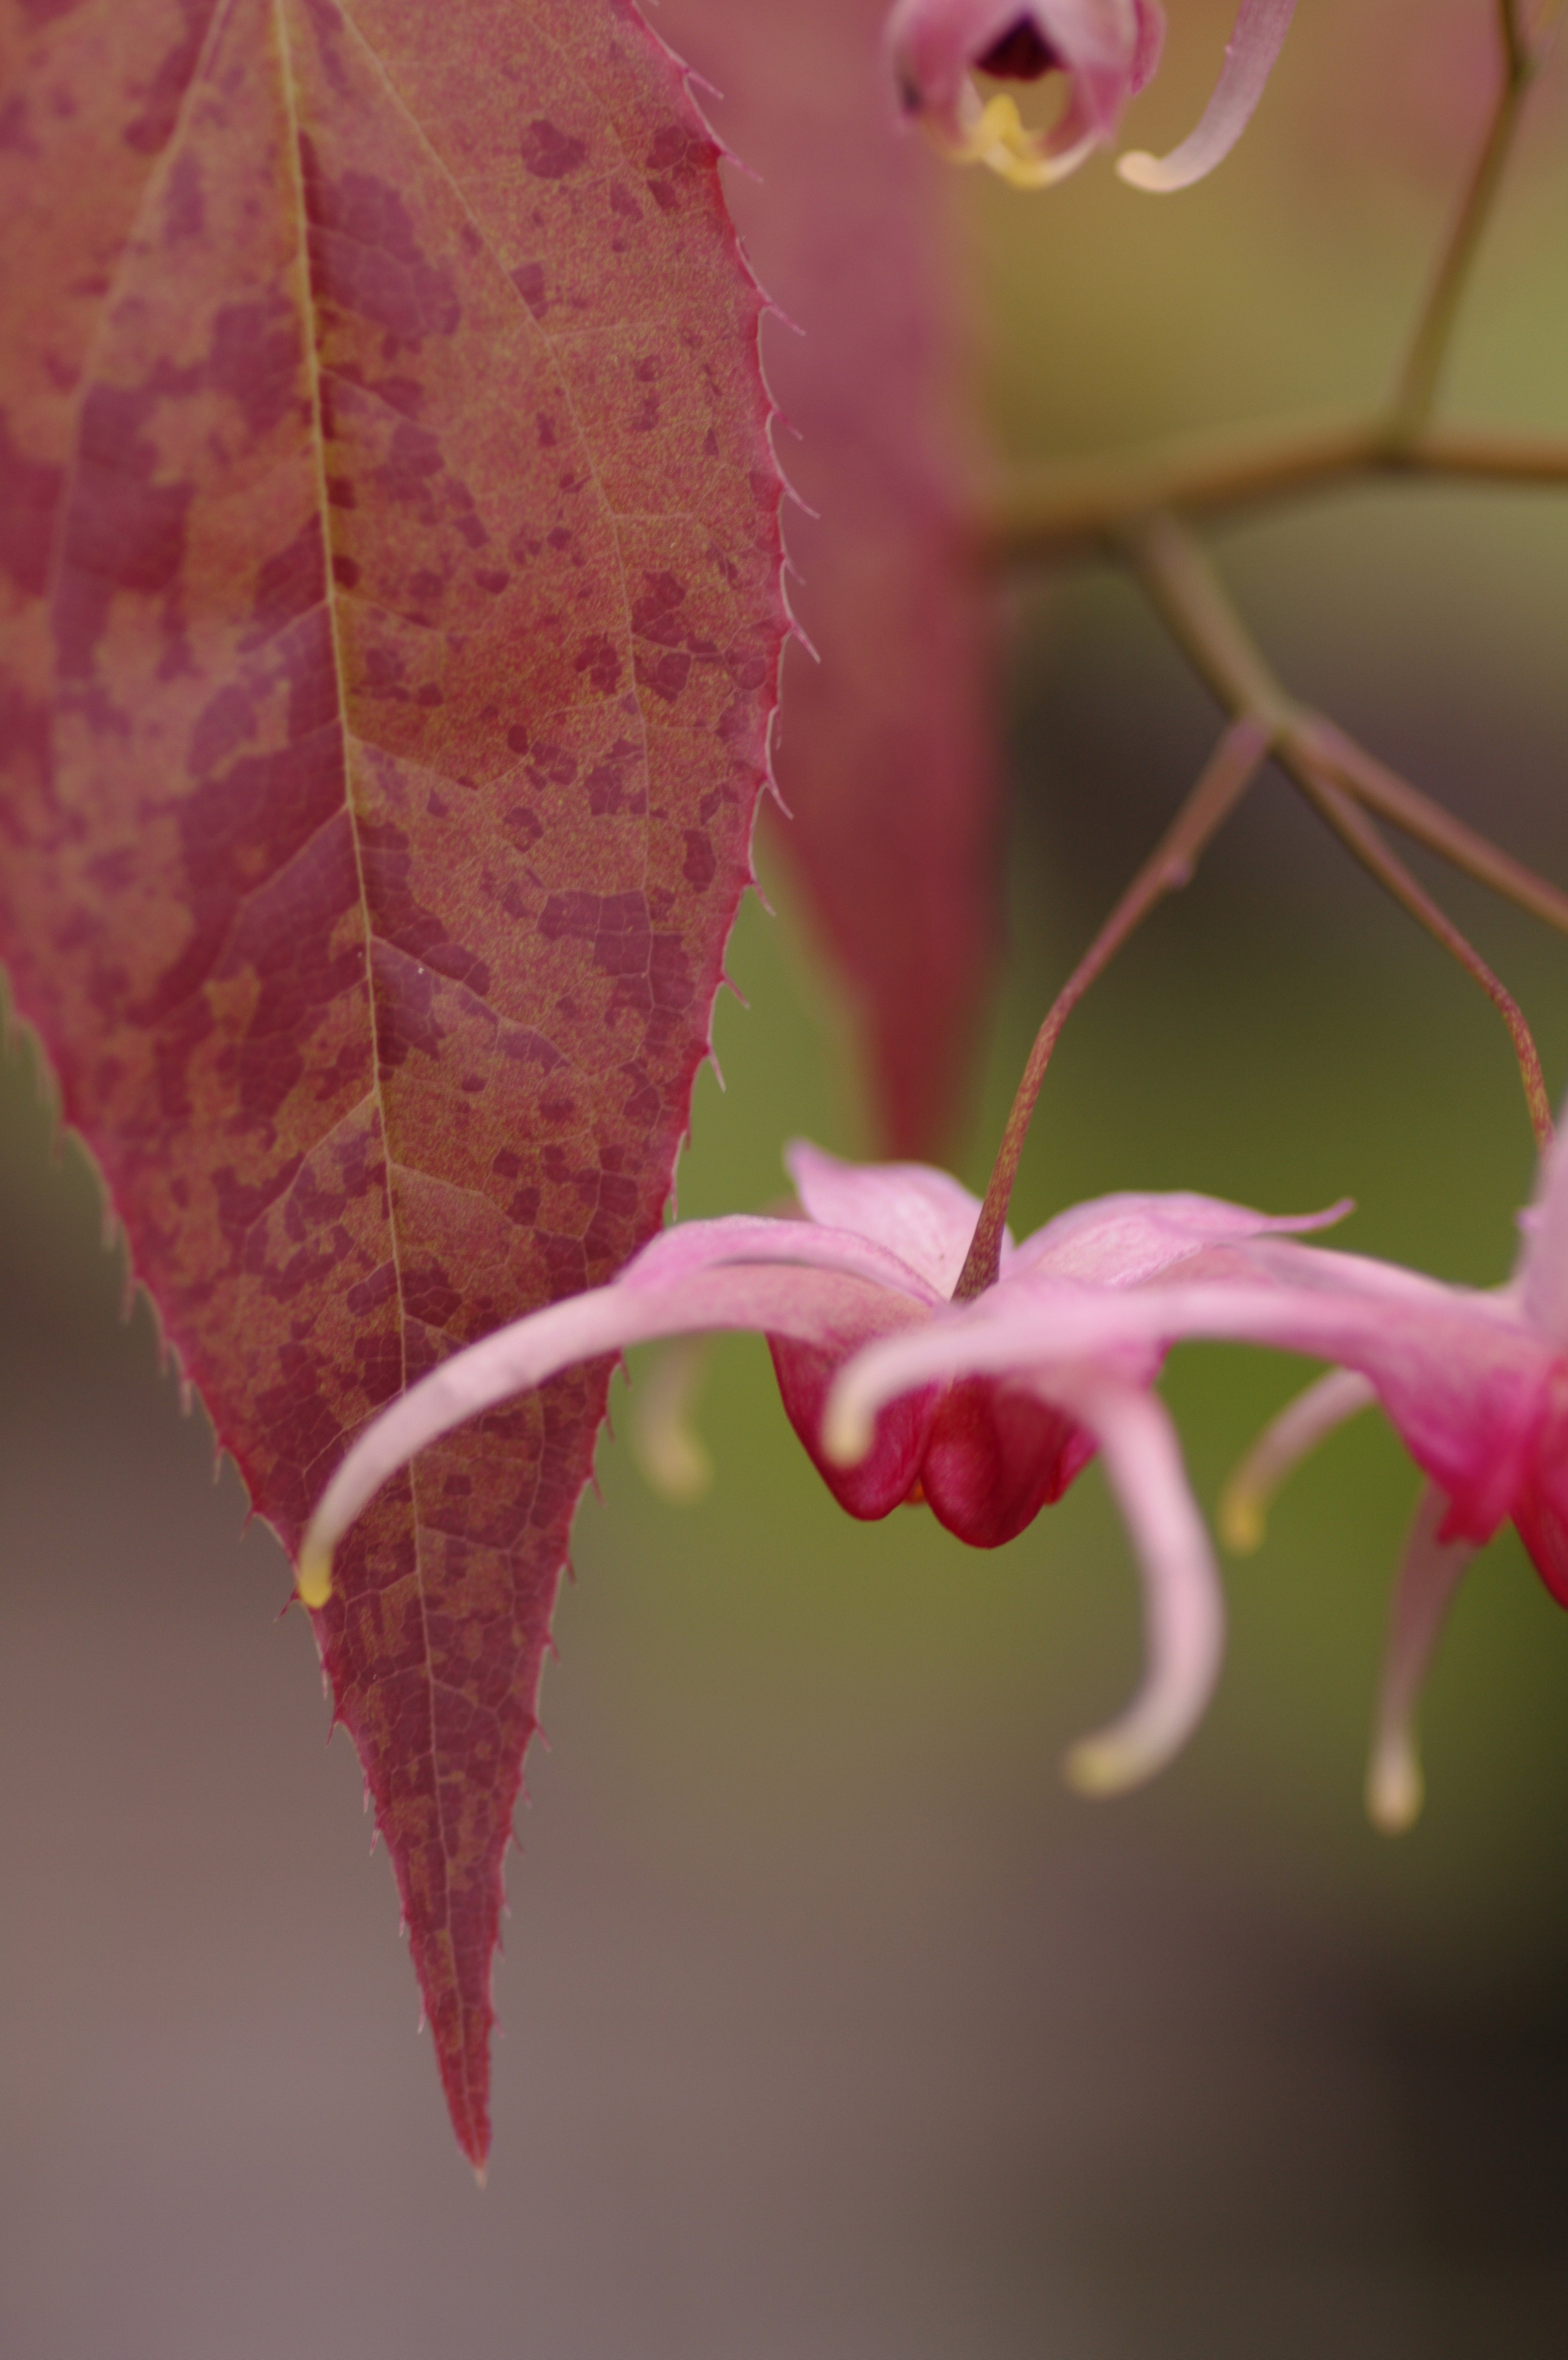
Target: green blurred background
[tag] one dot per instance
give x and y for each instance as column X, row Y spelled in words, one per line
column 834, row 2028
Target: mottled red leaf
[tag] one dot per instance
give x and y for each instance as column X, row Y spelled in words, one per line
column 887, row 756
column 391, row 618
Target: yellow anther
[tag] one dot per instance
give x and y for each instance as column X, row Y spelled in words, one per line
column 996, row 135
column 1395, row 1787
column 1242, row 1518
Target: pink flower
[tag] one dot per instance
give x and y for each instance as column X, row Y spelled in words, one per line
column 1475, row 1383
column 1107, row 49
column 869, row 1269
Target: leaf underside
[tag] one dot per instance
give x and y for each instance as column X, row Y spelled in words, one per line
column 390, row 624
column 887, row 758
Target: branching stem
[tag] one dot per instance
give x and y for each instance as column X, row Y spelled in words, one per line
column 1083, row 504
column 1331, row 773
column 1087, row 503
column 1359, row 835
column 1129, row 506
column 1380, row 790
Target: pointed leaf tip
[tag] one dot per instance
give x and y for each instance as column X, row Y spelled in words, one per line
column 331, row 393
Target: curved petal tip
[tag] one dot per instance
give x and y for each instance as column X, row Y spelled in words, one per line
column 314, row 1580
column 1142, row 170
column 1260, row 29
column 1395, row 1787
column 1109, row 1764
column 1284, row 1442
column 1184, row 1608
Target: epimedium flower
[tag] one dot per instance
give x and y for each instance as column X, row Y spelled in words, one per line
column 871, row 1266
column 1473, row 1381
column 1106, row 49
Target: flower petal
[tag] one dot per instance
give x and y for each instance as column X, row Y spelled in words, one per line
column 1282, row 1445
column 931, row 44
column 1423, row 1592
column 883, row 1478
column 1119, row 1240
column 1105, row 45
column 1543, row 1264
column 813, row 1305
column 1031, row 1329
column 1260, row 29
column 1183, row 1603
column 996, row 135
column 1107, row 48
column 741, row 1238
column 1150, row 44
column 1461, row 1378
column 994, row 1456
column 924, row 1216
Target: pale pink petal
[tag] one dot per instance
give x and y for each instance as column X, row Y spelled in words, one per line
column 1029, row 1326
column 1465, row 1386
column 1119, row 1240
column 924, row 1216
column 1030, row 159
column 1543, row 1264
column 1108, row 48
column 1281, row 1446
column 816, row 1306
column 1260, row 29
column 1150, row 44
column 1333, row 1271
column 932, row 43
column 1423, row 1592
column 694, row 1246
column 1184, row 1608
column 1104, row 45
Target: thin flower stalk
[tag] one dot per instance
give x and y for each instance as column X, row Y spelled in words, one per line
column 1191, row 600
column 1359, row 836
column 1225, row 780
column 1187, row 592
column 1083, row 505
column 1390, row 797
column 1522, row 54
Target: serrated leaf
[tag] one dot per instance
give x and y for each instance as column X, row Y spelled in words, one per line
column 887, row 758
column 390, row 621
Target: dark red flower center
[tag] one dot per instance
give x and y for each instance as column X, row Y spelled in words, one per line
column 1023, row 54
